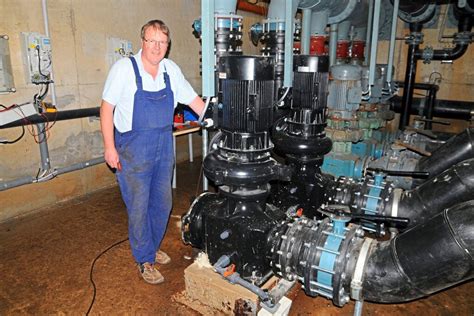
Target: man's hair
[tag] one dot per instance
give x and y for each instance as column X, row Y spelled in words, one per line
column 157, row 25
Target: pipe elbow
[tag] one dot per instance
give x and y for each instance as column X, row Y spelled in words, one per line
column 457, row 149
column 429, row 54
column 450, row 54
column 426, row 259
column 453, row 186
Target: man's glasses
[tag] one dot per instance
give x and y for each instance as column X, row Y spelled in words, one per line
column 156, row 43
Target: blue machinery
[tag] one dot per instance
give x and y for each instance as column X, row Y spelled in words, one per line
column 316, row 216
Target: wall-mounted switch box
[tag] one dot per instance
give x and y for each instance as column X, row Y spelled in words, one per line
column 118, row 48
column 36, row 50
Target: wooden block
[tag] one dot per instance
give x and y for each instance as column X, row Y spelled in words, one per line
column 211, row 289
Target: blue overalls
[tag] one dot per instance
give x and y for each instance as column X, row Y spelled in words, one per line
column 146, row 156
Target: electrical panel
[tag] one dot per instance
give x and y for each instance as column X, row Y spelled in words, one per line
column 6, row 75
column 118, row 48
column 36, row 57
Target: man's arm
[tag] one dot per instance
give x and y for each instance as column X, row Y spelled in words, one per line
column 107, row 127
column 197, row 105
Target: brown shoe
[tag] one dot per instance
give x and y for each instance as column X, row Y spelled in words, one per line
column 150, row 273
column 162, row 257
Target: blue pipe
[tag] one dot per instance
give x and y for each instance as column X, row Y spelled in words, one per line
column 208, row 57
column 225, row 6
column 306, row 33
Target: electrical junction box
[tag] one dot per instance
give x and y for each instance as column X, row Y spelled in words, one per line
column 118, row 48
column 6, row 75
column 17, row 113
column 36, row 49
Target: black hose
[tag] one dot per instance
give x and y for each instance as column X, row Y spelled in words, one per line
column 425, row 259
column 458, row 148
column 55, row 116
column 451, row 187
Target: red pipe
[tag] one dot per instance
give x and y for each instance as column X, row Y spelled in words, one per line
column 245, row 6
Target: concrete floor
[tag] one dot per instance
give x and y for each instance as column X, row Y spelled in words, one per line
column 46, row 258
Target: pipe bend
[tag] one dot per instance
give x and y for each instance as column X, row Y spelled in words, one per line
column 461, row 40
column 453, row 186
column 450, row 54
column 443, row 54
column 457, row 149
column 426, row 259
column 460, row 221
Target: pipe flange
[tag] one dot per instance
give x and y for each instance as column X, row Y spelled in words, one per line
column 427, row 54
column 424, row 17
column 415, row 38
column 344, row 14
column 465, row 6
column 462, row 38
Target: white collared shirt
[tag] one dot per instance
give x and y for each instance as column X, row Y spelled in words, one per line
column 120, row 87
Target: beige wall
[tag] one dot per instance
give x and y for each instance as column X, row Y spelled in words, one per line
column 79, row 29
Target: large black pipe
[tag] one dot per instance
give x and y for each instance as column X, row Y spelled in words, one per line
column 54, row 116
column 410, row 75
column 423, row 260
column 419, row 85
column 462, row 110
column 458, row 148
column 453, row 186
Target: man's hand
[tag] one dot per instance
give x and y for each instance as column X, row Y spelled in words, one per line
column 112, row 158
column 107, row 127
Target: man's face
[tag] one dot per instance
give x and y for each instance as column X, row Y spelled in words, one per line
column 154, row 46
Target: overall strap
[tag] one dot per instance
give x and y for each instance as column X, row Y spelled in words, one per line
column 138, row 78
column 166, row 77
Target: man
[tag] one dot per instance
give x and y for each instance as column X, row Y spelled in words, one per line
column 136, row 117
